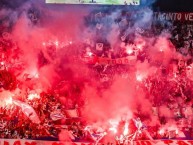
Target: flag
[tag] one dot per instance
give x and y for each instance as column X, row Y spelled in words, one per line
column 188, row 111
column 72, row 113
column 138, row 123
column 172, row 134
column 56, row 115
column 28, row 111
column 99, row 46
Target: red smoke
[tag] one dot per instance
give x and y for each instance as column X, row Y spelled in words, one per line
column 48, row 53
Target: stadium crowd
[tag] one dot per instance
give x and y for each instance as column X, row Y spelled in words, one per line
column 172, row 89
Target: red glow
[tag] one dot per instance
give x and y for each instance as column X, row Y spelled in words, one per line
column 114, row 124
column 8, row 101
column 33, row 96
column 129, row 49
column 126, row 129
column 50, row 68
column 139, row 77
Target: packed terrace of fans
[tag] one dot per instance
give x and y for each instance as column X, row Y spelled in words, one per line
column 170, row 89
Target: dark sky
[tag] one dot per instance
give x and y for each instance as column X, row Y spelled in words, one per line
column 11, row 3
column 174, row 5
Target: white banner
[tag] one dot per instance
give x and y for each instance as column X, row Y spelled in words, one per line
column 56, row 115
column 28, row 111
